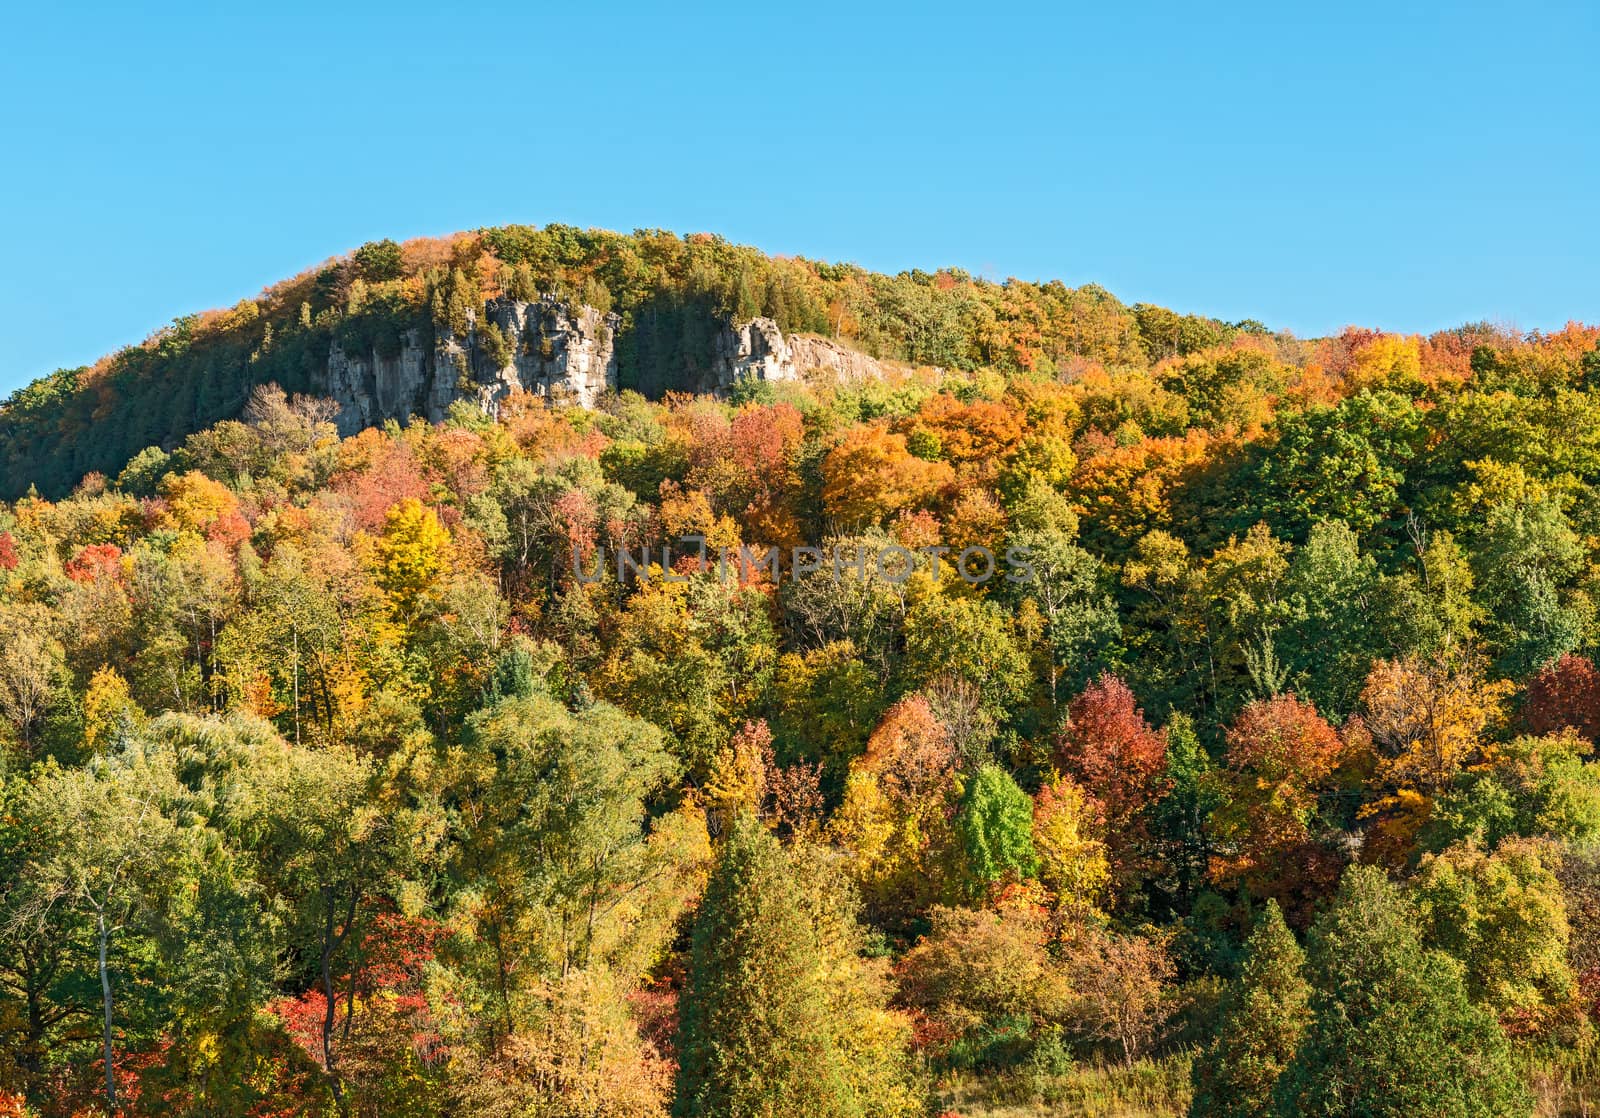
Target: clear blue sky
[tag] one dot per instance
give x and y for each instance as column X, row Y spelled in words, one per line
column 1307, row 165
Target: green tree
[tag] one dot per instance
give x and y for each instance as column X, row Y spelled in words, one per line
column 42, row 990
column 1329, row 643
column 334, row 842
column 1266, row 1010
column 825, row 704
column 779, row 1016
column 113, row 855
column 1530, row 787
column 1502, row 916
column 1392, row 1031
column 970, row 640
column 1244, row 587
column 561, row 841
column 1069, row 586
column 377, row 261
column 1526, row 560
column 1429, row 609
column 1181, row 820
column 495, row 346
column 30, row 666
column 995, row 826
column 694, row 658
column 1345, row 462
column 858, row 605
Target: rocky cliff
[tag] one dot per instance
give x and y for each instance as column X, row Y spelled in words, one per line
column 758, row 350
column 371, row 387
column 551, row 349
column 547, row 348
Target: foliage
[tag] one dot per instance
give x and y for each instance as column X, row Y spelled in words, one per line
column 384, row 788
column 1259, row 1026
column 772, row 1021
column 1280, row 762
column 1110, row 749
column 1502, row 916
column 995, row 827
column 1392, row 1031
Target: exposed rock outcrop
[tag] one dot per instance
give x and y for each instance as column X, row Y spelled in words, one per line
column 757, row 349
column 812, row 355
column 370, row 388
column 547, row 348
column 553, row 349
column 751, row 349
column 556, row 352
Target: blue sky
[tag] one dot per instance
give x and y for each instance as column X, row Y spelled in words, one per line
column 1306, row 165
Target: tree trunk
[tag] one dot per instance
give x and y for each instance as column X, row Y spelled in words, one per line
column 105, row 997
column 329, row 998
column 331, row 942
column 297, row 684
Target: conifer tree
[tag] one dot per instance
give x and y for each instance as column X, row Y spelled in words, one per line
column 1265, row 1014
column 779, row 1017
column 1392, row 1032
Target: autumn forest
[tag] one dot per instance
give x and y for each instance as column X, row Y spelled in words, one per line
column 349, row 776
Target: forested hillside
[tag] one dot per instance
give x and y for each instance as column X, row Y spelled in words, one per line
column 671, row 296
column 354, row 776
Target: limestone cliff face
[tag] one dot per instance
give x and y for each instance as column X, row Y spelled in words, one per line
column 550, row 349
column 812, row 355
column 751, row 349
column 555, row 351
column 370, row 388
column 758, row 349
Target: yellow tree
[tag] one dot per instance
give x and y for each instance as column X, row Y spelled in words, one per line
column 1426, row 719
column 1427, row 716
column 1385, row 360
column 894, row 818
column 738, row 779
column 411, row 557
column 108, row 709
column 1072, row 861
column 871, row 474
column 195, row 501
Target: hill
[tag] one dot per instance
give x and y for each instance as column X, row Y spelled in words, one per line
column 393, row 330
column 1046, row 679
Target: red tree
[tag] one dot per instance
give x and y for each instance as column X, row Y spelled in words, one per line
column 94, row 562
column 1566, row 693
column 1281, row 755
column 1284, row 744
column 910, row 751
column 377, row 472
column 1111, row 750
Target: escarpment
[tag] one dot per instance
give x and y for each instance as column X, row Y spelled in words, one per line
column 545, row 347
column 392, row 332
column 758, row 350
column 549, row 348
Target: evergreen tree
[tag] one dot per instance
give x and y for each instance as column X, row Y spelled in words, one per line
column 1392, row 1032
column 778, row 1017
column 1265, row 1014
column 1183, row 816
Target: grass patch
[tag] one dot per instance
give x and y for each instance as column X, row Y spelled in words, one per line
column 1149, row 1089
